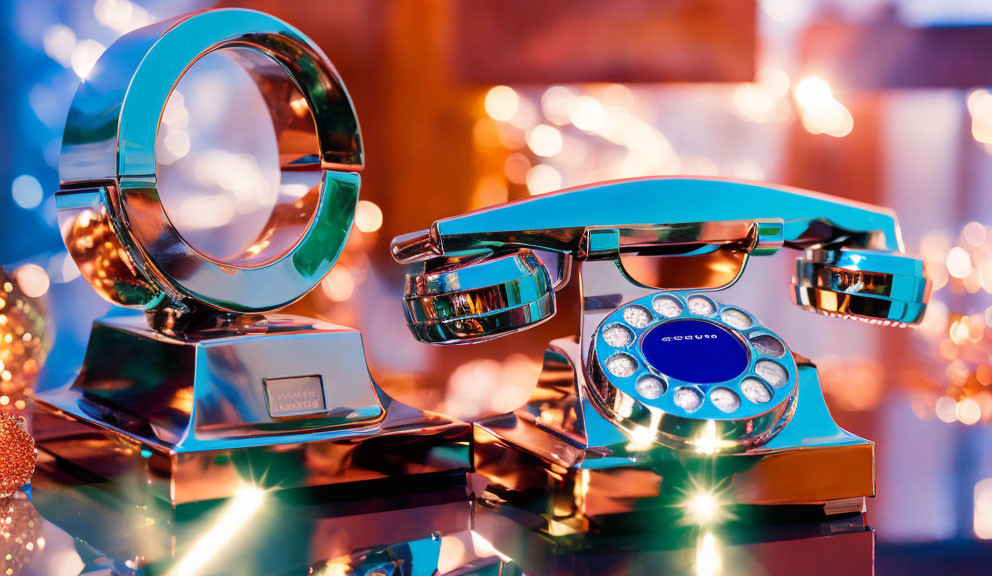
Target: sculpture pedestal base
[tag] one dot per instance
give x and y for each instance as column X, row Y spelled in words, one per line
column 288, row 404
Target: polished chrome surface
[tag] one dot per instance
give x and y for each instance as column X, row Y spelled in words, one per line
column 204, row 394
column 655, row 414
column 190, row 417
column 869, row 285
column 216, row 386
column 683, row 233
column 606, row 432
column 561, row 458
column 475, row 301
column 110, row 210
column 557, row 221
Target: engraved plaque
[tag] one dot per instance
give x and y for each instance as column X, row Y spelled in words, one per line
column 295, row 396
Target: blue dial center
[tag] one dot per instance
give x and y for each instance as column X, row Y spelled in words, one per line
column 695, row 351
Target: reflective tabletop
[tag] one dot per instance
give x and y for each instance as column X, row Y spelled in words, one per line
column 68, row 523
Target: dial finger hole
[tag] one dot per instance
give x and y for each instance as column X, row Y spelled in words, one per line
column 756, row 391
column 688, row 399
column 768, row 345
column 621, row 365
column 736, row 318
column 667, row 306
column 725, row 399
column 772, row 372
column 650, row 387
column 637, row 316
column 701, row 305
column 618, row 336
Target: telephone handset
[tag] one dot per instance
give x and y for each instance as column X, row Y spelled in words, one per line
column 661, row 368
column 853, row 265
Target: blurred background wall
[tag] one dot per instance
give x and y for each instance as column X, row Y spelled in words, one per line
column 469, row 104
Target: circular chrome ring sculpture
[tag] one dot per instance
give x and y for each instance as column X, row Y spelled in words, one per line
column 669, row 365
column 110, row 212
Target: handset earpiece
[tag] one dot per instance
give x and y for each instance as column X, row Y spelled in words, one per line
column 876, row 286
column 455, row 301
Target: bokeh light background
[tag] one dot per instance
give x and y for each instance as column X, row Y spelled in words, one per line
column 807, row 110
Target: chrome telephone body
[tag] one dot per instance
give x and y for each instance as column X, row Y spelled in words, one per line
column 665, row 392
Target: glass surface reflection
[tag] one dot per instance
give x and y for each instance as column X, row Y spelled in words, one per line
column 100, row 531
column 78, row 528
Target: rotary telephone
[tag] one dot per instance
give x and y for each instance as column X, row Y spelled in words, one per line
column 667, row 392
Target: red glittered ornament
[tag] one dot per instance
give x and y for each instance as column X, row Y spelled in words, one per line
column 17, row 455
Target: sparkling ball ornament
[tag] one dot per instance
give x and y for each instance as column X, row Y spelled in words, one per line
column 24, row 338
column 17, row 454
column 21, row 534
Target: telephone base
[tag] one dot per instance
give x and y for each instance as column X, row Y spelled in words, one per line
column 287, row 403
column 558, row 457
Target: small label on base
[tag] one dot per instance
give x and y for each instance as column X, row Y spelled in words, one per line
column 295, row 396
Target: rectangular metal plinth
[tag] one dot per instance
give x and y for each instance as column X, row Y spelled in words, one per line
column 191, row 419
column 395, row 448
